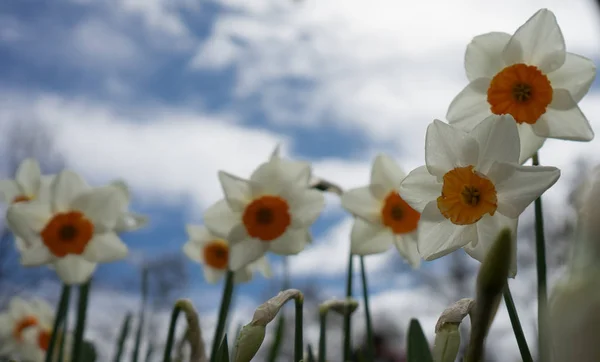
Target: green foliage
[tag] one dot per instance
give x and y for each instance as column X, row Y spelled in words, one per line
column 88, row 352
column 222, row 354
column 123, row 337
column 418, row 347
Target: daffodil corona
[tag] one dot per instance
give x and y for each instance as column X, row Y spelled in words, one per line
column 271, row 211
column 382, row 217
column 471, row 187
column 73, row 230
column 530, row 76
column 213, row 253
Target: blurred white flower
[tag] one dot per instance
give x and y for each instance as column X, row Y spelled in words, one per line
column 21, row 317
column 127, row 221
column 530, row 76
column 26, row 186
column 271, row 211
column 382, row 217
column 213, row 253
column 73, row 230
column 472, row 187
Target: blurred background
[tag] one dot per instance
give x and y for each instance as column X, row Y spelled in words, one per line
column 164, row 93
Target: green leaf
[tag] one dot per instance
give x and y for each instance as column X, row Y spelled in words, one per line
column 223, row 351
column 311, row 354
column 123, row 337
column 138, row 335
column 88, row 352
column 418, row 347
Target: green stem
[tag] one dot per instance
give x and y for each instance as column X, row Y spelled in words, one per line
column 516, row 325
column 138, row 336
column 299, row 337
column 323, row 336
column 82, row 304
column 347, row 316
column 223, row 311
column 540, row 246
column 61, row 312
column 63, row 334
column 171, row 335
column 370, row 342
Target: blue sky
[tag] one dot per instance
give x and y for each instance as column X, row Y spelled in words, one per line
column 164, row 93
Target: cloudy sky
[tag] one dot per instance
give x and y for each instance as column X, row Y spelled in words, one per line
column 164, row 93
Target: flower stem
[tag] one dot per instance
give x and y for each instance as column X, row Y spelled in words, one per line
column 516, row 325
column 223, row 311
column 323, row 336
column 540, row 246
column 84, row 291
column 61, row 312
column 347, row 320
column 299, row 337
column 371, row 347
column 63, row 334
column 171, row 335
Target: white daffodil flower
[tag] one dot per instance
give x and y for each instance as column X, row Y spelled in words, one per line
column 22, row 316
column 213, row 253
column 530, row 76
column 472, row 187
column 271, row 211
column 74, row 231
column 26, row 186
column 383, row 218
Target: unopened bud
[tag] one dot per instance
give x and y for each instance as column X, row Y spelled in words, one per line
column 340, row 306
column 249, row 341
column 267, row 311
column 447, row 334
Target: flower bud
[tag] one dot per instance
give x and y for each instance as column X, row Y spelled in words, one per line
column 447, row 334
column 340, row 306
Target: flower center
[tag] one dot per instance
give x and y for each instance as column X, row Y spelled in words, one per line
column 216, row 254
column 522, row 91
column 467, row 196
column 267, row 217
column 67, row 233
column 398, row 215
column 44, row 339
column 22, row 198
column 21, row 325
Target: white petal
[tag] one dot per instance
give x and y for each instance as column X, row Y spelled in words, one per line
column 73, row 269
column 105, row 248
column 245, row 252
column 483, row 58
column 45, row 191
column 498, row 139
column 213, row 275
column 123, row 188
column 438, row 236
column 518, row 186
column 567, row 124
column 447, row 147
column 28, row 176
column 576, row 76
column 530, row 142
column 538, row 42
column 129, row 221
column 243, row 275
column 291, row 242
column 360, row 202
column 27, row 220
column 101, row 205
column 36, row 255
column 306, row 208
column 386, row 172
column 263, row 267
column 198, row 233
column 488, row 229
column 419, row 188
column 220, row 219
column 9, row 189
column 470, row 106
column 65, row 187
column 238, row 192
column 408, row 247
column 194, row 250
column 21, row 244
column 367, row 238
